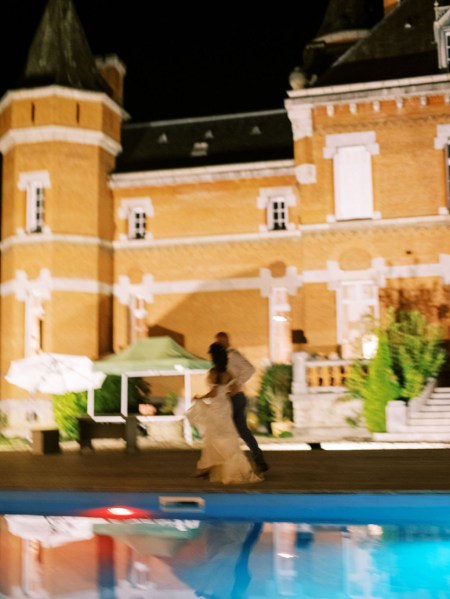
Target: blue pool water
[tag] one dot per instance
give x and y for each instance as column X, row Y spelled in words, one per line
column 224, row 546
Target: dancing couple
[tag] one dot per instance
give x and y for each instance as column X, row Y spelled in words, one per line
column 220, row 415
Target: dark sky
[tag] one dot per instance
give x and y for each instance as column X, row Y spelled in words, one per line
column 182, row 60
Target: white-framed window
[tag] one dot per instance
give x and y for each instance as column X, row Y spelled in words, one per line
column 34, row 323
column 35, row 208
column 137, row 223
column 280, row 326
column 137, row 318
column 352, row 169
column 34, row 184
column 442, row 142
column 447, row 171
column 277, row 214
column 357, row 305
column 276, row 201
column 353, row 193
column 136, row 211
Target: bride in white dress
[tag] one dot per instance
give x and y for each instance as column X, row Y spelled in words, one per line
column 222, row 458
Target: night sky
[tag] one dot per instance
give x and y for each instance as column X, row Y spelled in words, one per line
column 182, row 60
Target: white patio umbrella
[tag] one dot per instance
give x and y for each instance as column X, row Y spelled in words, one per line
column 52, row 531
column 54, row 374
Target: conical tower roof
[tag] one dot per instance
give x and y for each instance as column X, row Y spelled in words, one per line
column 60, row 54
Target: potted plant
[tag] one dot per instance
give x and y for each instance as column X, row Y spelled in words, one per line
column 277, row 402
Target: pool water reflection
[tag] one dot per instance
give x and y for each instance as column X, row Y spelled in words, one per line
column 46, row 556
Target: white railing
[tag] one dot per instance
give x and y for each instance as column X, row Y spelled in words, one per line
column 312, row 375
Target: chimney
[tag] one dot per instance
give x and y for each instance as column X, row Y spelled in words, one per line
column 389, row 6
column 113, row 71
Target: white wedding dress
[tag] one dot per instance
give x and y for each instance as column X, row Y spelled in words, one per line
column 221, row 452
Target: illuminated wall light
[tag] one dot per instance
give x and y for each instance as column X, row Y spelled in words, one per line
column 279, row 318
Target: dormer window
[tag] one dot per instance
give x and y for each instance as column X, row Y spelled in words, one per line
column 447, row 160
column 447, row 46
column 200, row 148
column 442, row 35
column 34, row 184
column 136, row 211
column 275, row 201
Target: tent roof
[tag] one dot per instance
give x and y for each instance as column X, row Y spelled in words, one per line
column 156, row 354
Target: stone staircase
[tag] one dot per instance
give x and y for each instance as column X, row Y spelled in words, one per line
column 430, row 423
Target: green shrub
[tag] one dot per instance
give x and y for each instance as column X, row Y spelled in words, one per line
column 107, row 399
column 66, row 409
column 409, row 352
column 416, row 350
column 169, row 404
column 381, row 386
column 273, row 395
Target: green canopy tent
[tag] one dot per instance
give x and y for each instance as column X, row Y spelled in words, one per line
column 152, row 356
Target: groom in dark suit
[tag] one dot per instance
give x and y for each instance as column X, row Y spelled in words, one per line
column 241, row 370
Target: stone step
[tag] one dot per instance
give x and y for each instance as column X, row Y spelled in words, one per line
column 440, row 396
column 430, row 415
column 429, row 426
column 441, row 390
column 438, row 401
column 428, row 437
column 435, row 407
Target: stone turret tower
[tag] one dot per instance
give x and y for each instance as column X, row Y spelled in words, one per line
column 59, row 137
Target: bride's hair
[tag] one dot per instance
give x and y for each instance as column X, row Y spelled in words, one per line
column 219, row 357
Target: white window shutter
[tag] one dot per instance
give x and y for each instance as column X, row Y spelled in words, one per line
column 353, row 183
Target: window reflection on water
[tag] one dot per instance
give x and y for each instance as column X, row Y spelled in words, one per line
column 94, row 557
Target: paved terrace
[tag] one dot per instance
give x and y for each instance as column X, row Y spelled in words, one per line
column 293, row 469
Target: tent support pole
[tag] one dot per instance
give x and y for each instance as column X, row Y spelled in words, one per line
column 90, row 403
column 187, row 405
column 124, row 394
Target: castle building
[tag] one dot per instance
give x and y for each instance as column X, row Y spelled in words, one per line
column 284, row 227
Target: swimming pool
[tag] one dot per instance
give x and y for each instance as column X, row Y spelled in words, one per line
column 386, row 508
column 255, row 546
column 234, row 546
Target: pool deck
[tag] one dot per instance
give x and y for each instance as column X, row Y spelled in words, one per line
column 156, row 470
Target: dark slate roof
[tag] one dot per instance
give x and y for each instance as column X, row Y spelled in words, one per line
column 346, row 15
column 401, row 45
column 60, row 54
column 207, row 141
column 349, row 16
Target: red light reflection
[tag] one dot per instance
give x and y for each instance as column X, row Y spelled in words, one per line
column 117, row 512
